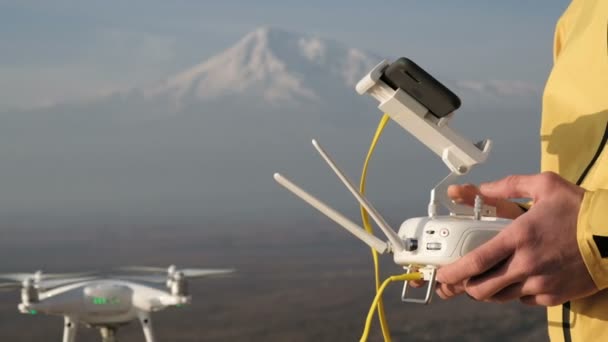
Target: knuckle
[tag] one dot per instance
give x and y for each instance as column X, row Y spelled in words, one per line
column 533, row 267
column 522, row 235
column 525, row 234
column 444, row 276
column 451, row 290
column 520, row 271
column 550, row 175
column 536, row 263
column 477, row 262
column 476, row 293
column 529, row 265
column 541, row 284
column 441, row 294
column 549, row 179
column 511, row 181
column 550, row 300
column 445, row 290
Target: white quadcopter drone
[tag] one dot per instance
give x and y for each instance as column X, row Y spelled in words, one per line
column 422, row 106
column 105, row 302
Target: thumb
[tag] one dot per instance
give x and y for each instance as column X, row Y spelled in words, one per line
column 514, row 186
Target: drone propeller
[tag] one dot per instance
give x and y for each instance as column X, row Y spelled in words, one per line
column 201, row 272
column 39, row 276
column 42, row 281
column 146, row 278
column 9, row 286
column 52, row 283
column 143, row 269
column 187, row 272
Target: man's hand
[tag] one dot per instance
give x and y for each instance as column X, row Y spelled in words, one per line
column 465, row 194
column 536, row 258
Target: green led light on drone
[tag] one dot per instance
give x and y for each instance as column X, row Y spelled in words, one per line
column 99, row 300
column 104, row 301
column 33, row 312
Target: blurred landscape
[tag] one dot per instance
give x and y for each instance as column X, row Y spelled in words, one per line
column 294, row 282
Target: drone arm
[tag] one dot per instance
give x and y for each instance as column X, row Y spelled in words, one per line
column 70, row 328
column 372, row 241
column 146, row 324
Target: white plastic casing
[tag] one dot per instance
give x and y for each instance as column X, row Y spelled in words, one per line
column 455, row 236
column 458, row 153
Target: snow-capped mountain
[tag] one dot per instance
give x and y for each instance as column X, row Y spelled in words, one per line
column 207, row 140
column 273, row 65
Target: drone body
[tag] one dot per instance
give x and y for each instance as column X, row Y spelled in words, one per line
column 106, row 302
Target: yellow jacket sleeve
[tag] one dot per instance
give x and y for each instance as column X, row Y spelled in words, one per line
column 592, row 235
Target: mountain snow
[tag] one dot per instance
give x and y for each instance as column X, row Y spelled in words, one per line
column 274, row 65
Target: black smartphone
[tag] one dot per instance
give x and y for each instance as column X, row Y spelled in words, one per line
column 411, row 78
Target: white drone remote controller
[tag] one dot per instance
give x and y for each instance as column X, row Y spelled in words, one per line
column 423, row 243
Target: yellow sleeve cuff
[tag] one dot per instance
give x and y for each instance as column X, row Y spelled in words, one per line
column 592, row 235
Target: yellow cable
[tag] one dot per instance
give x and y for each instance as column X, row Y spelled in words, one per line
column 378, row 299
column 367, row 225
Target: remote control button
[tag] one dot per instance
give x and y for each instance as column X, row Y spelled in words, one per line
column 444, row 232
column 411, row 245
column 433, row 246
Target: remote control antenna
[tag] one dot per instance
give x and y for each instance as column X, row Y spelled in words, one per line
column 395, row 240
column 372, row 241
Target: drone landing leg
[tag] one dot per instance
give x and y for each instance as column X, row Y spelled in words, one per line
column 70, row 326
column 146, row 324
column 108, row 334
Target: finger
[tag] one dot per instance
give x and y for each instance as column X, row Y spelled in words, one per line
column 501, row 276
column 542, row 300
column 479, row 260
column 441, row 294
column 449, row 290
column 465, row 194
column 508, row 209
column 416, row 283
column 516, row 186
column 511, row 292
column 528, row 288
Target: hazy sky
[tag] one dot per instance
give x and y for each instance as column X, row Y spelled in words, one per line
column 78, row 159
column 65, row 50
